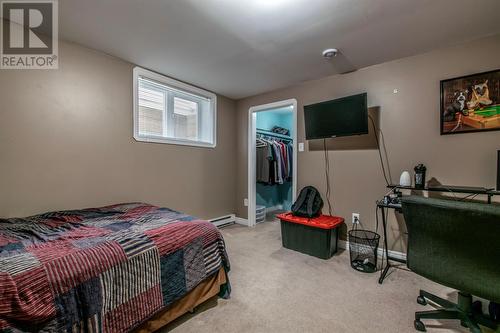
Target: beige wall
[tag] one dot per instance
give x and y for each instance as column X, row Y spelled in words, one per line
column 66, row 138
column 409, row 121
column 66, row 142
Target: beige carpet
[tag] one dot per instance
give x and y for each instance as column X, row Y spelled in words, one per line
column 279, row 290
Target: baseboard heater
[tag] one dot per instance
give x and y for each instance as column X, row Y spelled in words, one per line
column 224, row 221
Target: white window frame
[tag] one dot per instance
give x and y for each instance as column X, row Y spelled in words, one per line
column 141, row 72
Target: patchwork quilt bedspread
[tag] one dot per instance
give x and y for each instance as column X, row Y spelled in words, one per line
column 102, row 269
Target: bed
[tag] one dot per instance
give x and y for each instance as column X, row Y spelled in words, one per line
column 122, row 268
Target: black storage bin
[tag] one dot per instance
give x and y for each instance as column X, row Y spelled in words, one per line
column 310, row 236
column 363, row 247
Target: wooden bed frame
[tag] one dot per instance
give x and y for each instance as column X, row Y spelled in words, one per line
column 207, row 289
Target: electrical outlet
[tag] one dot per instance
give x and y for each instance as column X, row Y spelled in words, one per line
column 301, row 146
column 245, row 202
column 355, row 218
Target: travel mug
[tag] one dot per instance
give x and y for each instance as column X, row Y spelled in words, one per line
column 420, row 176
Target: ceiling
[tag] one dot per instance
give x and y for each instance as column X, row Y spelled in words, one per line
column 240, row 48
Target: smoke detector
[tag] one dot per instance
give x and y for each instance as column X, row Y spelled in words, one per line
column 330, row 53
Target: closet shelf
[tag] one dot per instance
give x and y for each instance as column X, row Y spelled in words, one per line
column 270, row 133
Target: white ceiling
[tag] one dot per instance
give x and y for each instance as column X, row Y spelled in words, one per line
column 239, row 48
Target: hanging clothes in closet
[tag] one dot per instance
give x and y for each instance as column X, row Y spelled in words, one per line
column 274, row 161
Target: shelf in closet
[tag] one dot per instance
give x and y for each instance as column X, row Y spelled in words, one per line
column 270, row 133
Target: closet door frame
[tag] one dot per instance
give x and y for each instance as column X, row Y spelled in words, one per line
column 252, row 158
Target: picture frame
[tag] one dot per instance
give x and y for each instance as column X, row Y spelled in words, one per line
column 470, row 103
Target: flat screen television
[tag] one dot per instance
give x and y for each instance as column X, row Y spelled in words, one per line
column 339, row 117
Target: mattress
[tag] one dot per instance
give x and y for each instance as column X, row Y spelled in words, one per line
column 103, row 269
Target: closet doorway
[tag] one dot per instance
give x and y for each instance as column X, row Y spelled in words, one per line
column 272, row 186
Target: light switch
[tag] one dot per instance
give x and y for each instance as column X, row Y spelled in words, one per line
column 301, row 146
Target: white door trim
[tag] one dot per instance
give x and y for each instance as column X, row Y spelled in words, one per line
column 252, row 177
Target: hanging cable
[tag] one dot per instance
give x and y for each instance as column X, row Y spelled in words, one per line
column 379, row 150
column 327, row 175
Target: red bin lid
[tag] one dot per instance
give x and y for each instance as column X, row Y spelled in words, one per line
column 322, row 221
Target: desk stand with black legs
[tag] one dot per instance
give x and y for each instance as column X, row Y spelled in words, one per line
column 383, row 207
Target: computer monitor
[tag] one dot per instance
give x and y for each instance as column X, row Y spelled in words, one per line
column 498, row 170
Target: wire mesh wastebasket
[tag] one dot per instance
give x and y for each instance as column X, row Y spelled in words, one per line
column 363, row 247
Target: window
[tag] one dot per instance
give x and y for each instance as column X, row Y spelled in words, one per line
column 169, row 111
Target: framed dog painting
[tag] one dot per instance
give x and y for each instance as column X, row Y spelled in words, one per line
column 471, row 103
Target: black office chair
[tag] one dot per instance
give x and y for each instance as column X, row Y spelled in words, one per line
column 456, row 244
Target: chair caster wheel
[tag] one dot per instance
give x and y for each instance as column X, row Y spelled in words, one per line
column 419, row 325
column 421, row 300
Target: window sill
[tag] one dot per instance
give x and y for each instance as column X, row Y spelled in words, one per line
column 178, row 142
